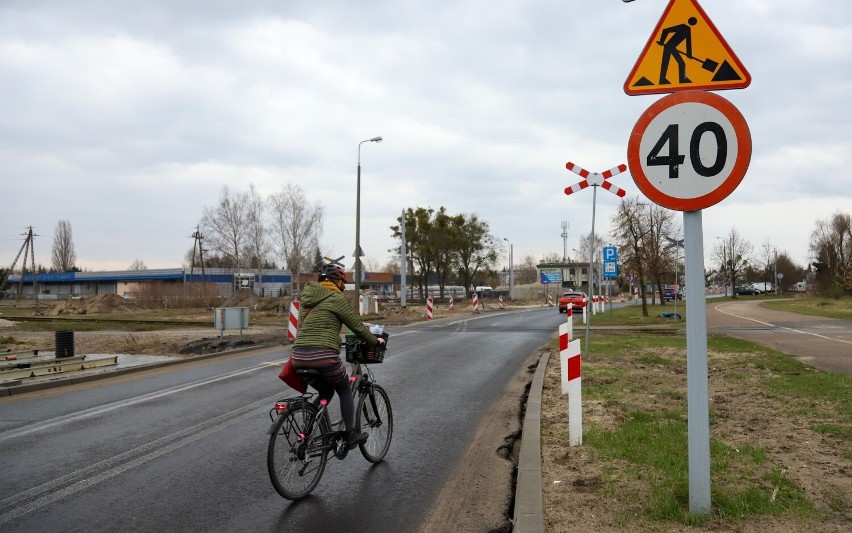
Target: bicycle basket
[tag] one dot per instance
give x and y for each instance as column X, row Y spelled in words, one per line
column 358, row 351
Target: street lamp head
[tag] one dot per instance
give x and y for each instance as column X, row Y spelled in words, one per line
column 376, row 139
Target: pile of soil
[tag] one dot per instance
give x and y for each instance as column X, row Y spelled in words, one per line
column 100, row 304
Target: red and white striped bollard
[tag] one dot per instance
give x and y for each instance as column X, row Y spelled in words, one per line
column 571, row 367
column 293, row 321
column 429, row 309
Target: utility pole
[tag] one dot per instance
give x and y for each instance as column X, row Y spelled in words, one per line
column 27, row 248
column 564, row 241
column 197, row 245
column 775, row 278
column 403, row 265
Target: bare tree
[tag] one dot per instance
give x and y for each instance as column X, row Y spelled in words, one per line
column 767, row 259
column 526, row 272
column 831, row 251
column 296, row 228
column 257, row 247
column 660, row 261
column 226, row 225
column 733, row 253
column 138, row 264
column 789, row 270
column 585, row 247
column 629, row 235
column 63, row 256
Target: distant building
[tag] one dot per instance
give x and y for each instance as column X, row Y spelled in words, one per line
column 128, row 283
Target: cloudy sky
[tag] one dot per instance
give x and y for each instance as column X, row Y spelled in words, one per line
column 128, row 118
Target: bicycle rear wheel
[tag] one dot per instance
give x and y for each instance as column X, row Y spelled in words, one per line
column 296, row 455
column 376, row 418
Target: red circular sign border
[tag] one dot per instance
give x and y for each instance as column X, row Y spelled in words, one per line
column 731, row 182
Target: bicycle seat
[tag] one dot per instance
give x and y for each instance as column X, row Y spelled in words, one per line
column 308, row 372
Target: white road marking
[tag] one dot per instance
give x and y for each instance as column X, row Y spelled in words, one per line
column 719, row 308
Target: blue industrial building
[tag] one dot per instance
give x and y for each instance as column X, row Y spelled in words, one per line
column 127, row 283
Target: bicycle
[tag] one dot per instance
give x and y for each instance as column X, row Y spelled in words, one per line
column 301, row 435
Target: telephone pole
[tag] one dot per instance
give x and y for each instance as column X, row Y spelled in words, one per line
column 26, row 248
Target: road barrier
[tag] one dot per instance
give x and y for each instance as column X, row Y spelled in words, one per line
column 549, row 300
column 475, row 303
column 429, row 309
column 293, row 326
column 500, row 301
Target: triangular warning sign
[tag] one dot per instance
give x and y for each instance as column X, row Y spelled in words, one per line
column 686, row 52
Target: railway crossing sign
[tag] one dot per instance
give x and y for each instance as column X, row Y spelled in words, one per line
column 689, row 150
column 686, row 52
column 595, row 179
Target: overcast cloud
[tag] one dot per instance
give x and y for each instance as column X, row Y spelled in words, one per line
column 128, row 118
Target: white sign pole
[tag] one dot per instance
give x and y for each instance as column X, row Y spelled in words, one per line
column 698, row 410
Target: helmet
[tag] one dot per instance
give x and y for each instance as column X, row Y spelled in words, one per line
column 331, row 270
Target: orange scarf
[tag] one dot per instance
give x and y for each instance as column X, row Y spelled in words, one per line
column 330, row 285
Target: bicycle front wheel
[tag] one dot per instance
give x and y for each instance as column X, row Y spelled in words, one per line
column 296, row 455
column 376, row 418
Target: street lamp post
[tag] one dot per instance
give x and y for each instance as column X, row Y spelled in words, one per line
column 511, row 271
column 358, row 252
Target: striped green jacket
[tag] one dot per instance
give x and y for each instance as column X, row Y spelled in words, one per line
column 322, row 313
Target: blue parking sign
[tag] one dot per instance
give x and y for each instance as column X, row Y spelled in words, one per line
column 610, row 262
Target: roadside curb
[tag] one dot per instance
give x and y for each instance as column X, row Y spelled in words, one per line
column 529, row 506
column 76, row 380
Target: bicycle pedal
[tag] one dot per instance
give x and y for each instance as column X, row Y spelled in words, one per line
column 340, row 446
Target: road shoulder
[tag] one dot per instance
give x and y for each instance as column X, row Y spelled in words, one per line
column 479, row 495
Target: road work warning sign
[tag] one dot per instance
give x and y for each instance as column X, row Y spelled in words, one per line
column 686, row 52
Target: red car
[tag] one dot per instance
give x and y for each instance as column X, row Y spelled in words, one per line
column 577, row 301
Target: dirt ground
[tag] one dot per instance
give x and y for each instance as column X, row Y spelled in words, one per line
column 585, row 493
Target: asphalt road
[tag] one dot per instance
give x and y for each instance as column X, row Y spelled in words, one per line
column 184, row 448
column 824, row 343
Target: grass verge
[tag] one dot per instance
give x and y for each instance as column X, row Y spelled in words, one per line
column 637, row 381
column 828, row 307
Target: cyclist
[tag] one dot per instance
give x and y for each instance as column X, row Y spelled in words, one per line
column 317, row 345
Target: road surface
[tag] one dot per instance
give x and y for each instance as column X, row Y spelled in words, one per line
column 184, row 448
column 824, row 343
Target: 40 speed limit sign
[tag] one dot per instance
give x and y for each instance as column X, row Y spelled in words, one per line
column 689, row 150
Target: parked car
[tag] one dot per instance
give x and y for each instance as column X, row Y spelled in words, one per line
column 747, row 290
column 672, row 294
column 577, row 301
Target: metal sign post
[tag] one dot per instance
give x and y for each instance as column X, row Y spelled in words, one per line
column 595, row 180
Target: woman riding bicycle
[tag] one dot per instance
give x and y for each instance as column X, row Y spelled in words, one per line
column 317, row 344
